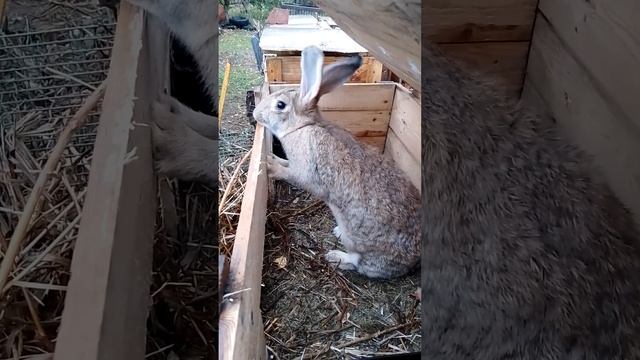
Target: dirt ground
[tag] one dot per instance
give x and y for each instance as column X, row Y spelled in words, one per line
column 309, row 308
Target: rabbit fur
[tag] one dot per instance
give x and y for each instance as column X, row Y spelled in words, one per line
column 184, row 138
column 527, row 253
column 376, row 208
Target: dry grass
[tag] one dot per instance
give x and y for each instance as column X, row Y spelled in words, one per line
column 42, row 87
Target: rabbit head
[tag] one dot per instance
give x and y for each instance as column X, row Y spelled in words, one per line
column 287, row 110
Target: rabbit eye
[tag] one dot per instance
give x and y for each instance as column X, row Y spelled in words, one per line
column 280, row 105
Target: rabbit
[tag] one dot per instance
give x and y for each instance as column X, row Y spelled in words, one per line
column 186, row 141
column 375, row 206
column 527, row 252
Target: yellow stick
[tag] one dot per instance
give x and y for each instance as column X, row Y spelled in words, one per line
column 3, row 6
column 223, row 93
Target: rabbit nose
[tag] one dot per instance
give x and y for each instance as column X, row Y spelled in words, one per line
column 256, row 115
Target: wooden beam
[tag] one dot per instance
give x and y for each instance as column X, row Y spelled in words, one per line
column 586, row 114
column 388, row 29
column 463, row 21
column 108, row 298
column 241, row 329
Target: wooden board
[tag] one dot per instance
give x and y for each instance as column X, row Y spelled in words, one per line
column 585, row 112
column 405, row 122
column 291, row 38
column 456, row 21
column 503, row 61
column 388, row 29
column 401, row 155
column 286, row 69
column 108, row 294
column 353, row 96
column 241, row 329
column 604, row 37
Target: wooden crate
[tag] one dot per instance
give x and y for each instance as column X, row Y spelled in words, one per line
column 386, row 116
column 286, row 69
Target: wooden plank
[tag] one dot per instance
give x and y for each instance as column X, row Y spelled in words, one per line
column 405, row 121
column 586, row 116
column 454, row 21
column 274, row 69
column 287, row 69
column 360, row 123
column 396, row 150
column 604, row 37
column 503, row 61
column 377, row 142
column 353, row 96
column 388, row 29
column 241, row 329
column 106, row 305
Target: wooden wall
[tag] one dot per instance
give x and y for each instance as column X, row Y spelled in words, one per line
column 403, row 137
column 490, row 36
column 584, row 70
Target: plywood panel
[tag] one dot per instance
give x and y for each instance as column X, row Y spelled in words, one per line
column 447, row 21
column 107, row 302
column 388, row 29
column 604, row 37
column 353, row 96
column 586, row 115
column 287, row 69
column 502, row 61
column 396, row 150
column 405, row 121
column 241, row 329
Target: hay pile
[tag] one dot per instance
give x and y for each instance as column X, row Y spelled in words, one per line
column 44, row 76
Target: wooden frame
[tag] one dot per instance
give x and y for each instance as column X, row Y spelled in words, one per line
column 396, row 133
column 108, row 294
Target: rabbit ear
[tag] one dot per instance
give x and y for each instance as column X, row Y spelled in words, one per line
column 311, row 66
column 336, row 74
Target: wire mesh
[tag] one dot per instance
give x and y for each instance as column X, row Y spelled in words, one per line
column 44, row 77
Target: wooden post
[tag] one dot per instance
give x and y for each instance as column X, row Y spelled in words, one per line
column 241, row 330
column 108, row 298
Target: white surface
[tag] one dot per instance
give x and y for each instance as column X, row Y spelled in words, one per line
column 298, row 36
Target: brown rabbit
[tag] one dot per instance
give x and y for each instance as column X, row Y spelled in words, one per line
column 375, row 206
column 526, row 253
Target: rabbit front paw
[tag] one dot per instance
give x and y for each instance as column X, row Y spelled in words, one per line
column 337, row 232
column 345, row 261
column 179, row 151
column 277, row 168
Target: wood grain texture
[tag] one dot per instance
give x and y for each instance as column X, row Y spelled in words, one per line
column 353, row 96
column 240, row 325
column 504, row 62
column 405, row 122
column 286, row 69
column 604, row 37
column 106, row 305
column 389, row 30
column 401, row 155
column 576, row 101
column 456, row 21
